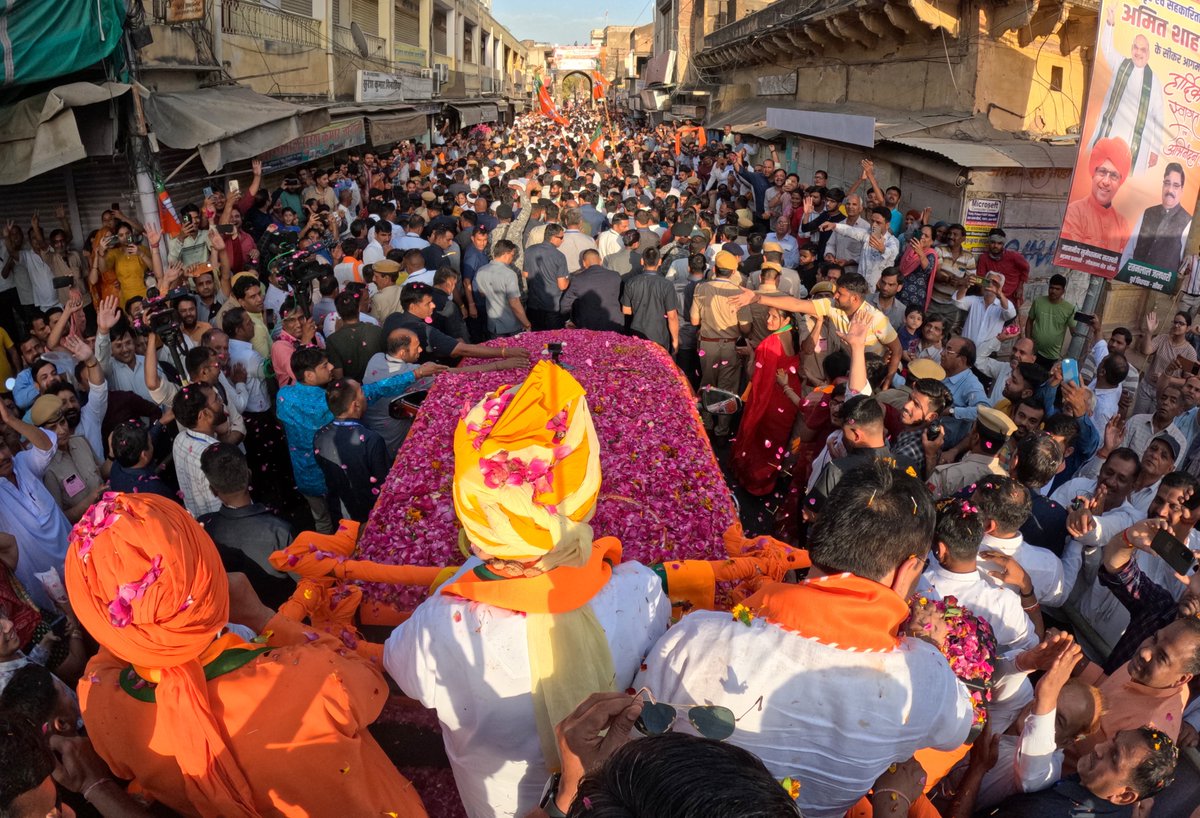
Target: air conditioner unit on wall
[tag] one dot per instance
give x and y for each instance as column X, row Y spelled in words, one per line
column 443, row 71
column 432, row 74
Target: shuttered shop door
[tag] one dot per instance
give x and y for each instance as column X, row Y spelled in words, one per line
column 98, row 183
column 302, row 7
column 42, row 193
column 366, row 14
column 406, row 25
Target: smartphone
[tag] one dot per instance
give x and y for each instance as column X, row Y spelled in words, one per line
column 1083, row 317
column 59, row 626
column 234, row 188
column 115, row 206
column 207, row 192
column 62, row 282
column 1070, row 371
column 1173, row 552
column 225, row 229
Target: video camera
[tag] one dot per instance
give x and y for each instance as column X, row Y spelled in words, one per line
column 161, row 316
column 299, row 267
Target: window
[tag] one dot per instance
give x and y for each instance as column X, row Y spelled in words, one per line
column 1056, row 78
column 468, row 42
column 441, row 39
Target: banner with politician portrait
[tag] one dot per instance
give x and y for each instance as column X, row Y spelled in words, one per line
column 1138, row 169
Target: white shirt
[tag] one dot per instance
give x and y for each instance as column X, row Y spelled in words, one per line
column 1106, row 405
column 197, row 495
column 833, row 719
column 1044, row 569
column 984, row 322
column 39, row 279
column 470, row 661
column 421, row 276
column 374, row 252
column 1027, row 763
column 409, row 241
column 987, row 598
column 609, row 243
column 29, row 512
column 252, row 394
column 122, row 377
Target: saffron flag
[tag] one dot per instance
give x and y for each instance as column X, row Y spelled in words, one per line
column 548, row 108
column 599, row 85
column 597, row 148
column 167, row 216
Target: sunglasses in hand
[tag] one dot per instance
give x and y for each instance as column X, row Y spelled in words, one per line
column 709, row 720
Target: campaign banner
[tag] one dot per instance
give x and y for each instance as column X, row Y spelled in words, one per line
column 338, row 135
column 1136, row 177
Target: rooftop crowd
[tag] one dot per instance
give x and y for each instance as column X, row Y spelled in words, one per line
column 997, row 613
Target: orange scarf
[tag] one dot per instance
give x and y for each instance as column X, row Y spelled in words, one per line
column 561, row 589
column 843, row 611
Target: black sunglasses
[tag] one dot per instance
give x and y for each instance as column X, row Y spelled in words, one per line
column 709, row 720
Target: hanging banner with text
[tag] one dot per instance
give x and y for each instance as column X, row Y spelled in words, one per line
column 1138, row 169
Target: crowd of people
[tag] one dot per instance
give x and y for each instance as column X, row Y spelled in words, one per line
column 989, row 604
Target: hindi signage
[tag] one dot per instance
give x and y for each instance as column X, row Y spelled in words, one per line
column 577, row 58
column 184, row 11
column 376, row 86
column 1138, row 169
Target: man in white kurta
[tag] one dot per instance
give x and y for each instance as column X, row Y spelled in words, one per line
column 824, row 689
column 469, row 661
column 29, row 512
column 543, row 615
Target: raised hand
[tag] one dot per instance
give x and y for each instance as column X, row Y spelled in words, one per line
column 1081, row 519
column 108, row 314
column 80, row 349
column 1066, row 655
column 1152, row 322
column 256, row 165
column 153, row 234
column 1114, row 432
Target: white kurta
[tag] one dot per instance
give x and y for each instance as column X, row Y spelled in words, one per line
column 28, row 512
column 470, row 662
column 1044, row 569
column 834, row 719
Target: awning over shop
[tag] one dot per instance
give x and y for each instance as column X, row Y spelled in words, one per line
column 395, row 127
column 227, row 123
column 842, row 125
column 749, row 117
column 996, row 154
column 472, row 113
column 57, row 128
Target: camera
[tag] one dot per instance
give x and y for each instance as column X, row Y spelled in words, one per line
column 934, row 431
column 160, row 316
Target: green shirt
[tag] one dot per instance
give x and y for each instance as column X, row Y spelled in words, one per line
column 1050, row 322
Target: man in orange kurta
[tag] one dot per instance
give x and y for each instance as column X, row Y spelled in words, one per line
column 1094, row 220
column 203, row 721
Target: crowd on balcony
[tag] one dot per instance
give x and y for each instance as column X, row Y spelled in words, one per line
column 972, row 584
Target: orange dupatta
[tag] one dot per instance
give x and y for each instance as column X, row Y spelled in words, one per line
column 841, row 610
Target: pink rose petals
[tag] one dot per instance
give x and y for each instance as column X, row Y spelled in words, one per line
column 662, row 494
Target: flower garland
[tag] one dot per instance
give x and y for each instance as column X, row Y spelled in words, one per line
column 652, row 448
column 966, row 641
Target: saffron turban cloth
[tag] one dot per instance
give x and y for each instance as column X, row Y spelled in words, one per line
column 147, row 583
column 1112, row 149
column 527, row 471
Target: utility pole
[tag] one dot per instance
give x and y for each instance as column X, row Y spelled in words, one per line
column 140, row 155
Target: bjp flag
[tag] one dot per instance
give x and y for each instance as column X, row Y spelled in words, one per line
column 597, row 148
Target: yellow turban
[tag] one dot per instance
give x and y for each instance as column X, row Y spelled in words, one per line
column 527, row 471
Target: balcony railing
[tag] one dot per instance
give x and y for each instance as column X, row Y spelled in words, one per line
column 253, row 20
column 775, row 14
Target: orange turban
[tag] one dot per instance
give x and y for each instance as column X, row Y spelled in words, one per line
column 1112, row 149
column 148, row 584
column 527, row 471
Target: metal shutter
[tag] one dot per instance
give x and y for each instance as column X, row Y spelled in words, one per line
column 366, row 14
column 407, row 23
column 304, row 8
column 42, row 193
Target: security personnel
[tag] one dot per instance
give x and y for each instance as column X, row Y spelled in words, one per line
column 991, row 431
column 720, row 326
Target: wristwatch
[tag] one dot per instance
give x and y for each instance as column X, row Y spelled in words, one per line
column 550, row 796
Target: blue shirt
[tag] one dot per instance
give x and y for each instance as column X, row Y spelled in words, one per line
column 968, row 394
column 303, row 410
